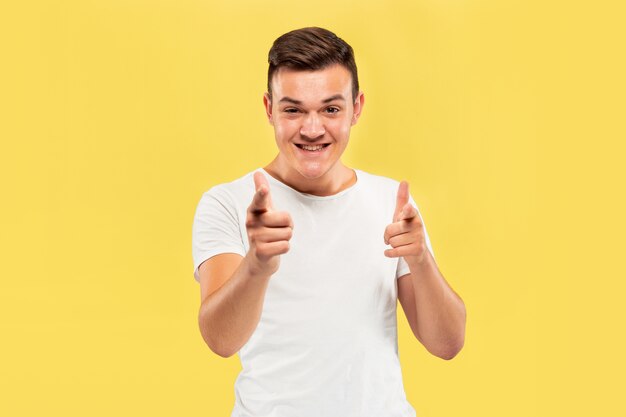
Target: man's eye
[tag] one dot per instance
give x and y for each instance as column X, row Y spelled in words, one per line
column 291, row 110
column 332, row 110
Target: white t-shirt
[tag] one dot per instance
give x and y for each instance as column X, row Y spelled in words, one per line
column 326, row 343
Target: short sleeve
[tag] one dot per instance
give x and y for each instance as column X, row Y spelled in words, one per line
column 215, row 228
column 403, row 267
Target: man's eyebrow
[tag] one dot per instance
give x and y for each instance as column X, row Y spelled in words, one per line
column 326, row 100
column 332, row 98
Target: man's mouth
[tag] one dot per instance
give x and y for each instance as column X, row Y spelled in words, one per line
column 312, row 148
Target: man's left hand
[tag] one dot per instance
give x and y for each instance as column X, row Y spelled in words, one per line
column 406, row 233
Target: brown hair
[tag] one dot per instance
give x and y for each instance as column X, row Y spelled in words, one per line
column 311, row 48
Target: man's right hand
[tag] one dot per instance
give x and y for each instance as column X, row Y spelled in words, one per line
column 269, row 230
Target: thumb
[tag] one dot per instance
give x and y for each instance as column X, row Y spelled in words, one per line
column 262, row 200
column 401, row 199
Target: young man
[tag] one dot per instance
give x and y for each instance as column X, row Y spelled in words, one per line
column 301, row 263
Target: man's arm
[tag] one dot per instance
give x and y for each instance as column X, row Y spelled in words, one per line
column 233, row 287
column 435, row 312
column 232, row 301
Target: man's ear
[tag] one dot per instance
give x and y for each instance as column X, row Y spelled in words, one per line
column 267, row 102
column 358, row 107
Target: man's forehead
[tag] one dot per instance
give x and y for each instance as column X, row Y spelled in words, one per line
column 325, row 85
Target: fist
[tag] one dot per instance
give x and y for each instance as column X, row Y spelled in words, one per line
column 269, row 231
column 406, row 233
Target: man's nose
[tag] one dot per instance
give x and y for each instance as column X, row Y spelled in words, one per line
column 312, row 127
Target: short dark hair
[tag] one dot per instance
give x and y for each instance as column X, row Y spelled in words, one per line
column 311, row 48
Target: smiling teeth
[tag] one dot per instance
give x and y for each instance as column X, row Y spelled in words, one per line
column 312, row 148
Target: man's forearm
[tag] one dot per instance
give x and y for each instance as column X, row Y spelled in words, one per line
column 228, row 317
column 441, row 313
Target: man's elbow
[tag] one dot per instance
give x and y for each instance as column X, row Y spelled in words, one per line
column 451, row 350
column 215, row 344
column 218, row 349
column 223, row 353
column 455, row 342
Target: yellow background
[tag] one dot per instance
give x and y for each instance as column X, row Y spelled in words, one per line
column 506, row 117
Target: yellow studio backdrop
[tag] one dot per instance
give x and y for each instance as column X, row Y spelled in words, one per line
column 506, row 118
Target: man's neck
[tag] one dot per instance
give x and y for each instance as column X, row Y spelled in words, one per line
column 335, row 180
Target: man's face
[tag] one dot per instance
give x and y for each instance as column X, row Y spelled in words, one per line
column 309, row 109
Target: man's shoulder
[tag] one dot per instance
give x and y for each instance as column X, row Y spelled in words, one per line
column 376, row 180
column 234, row 189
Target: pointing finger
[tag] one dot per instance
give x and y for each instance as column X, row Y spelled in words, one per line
column 262, row 201
column 407, row 212
column 401, row 199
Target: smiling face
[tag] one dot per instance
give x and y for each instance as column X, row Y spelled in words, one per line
column 312, row 113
